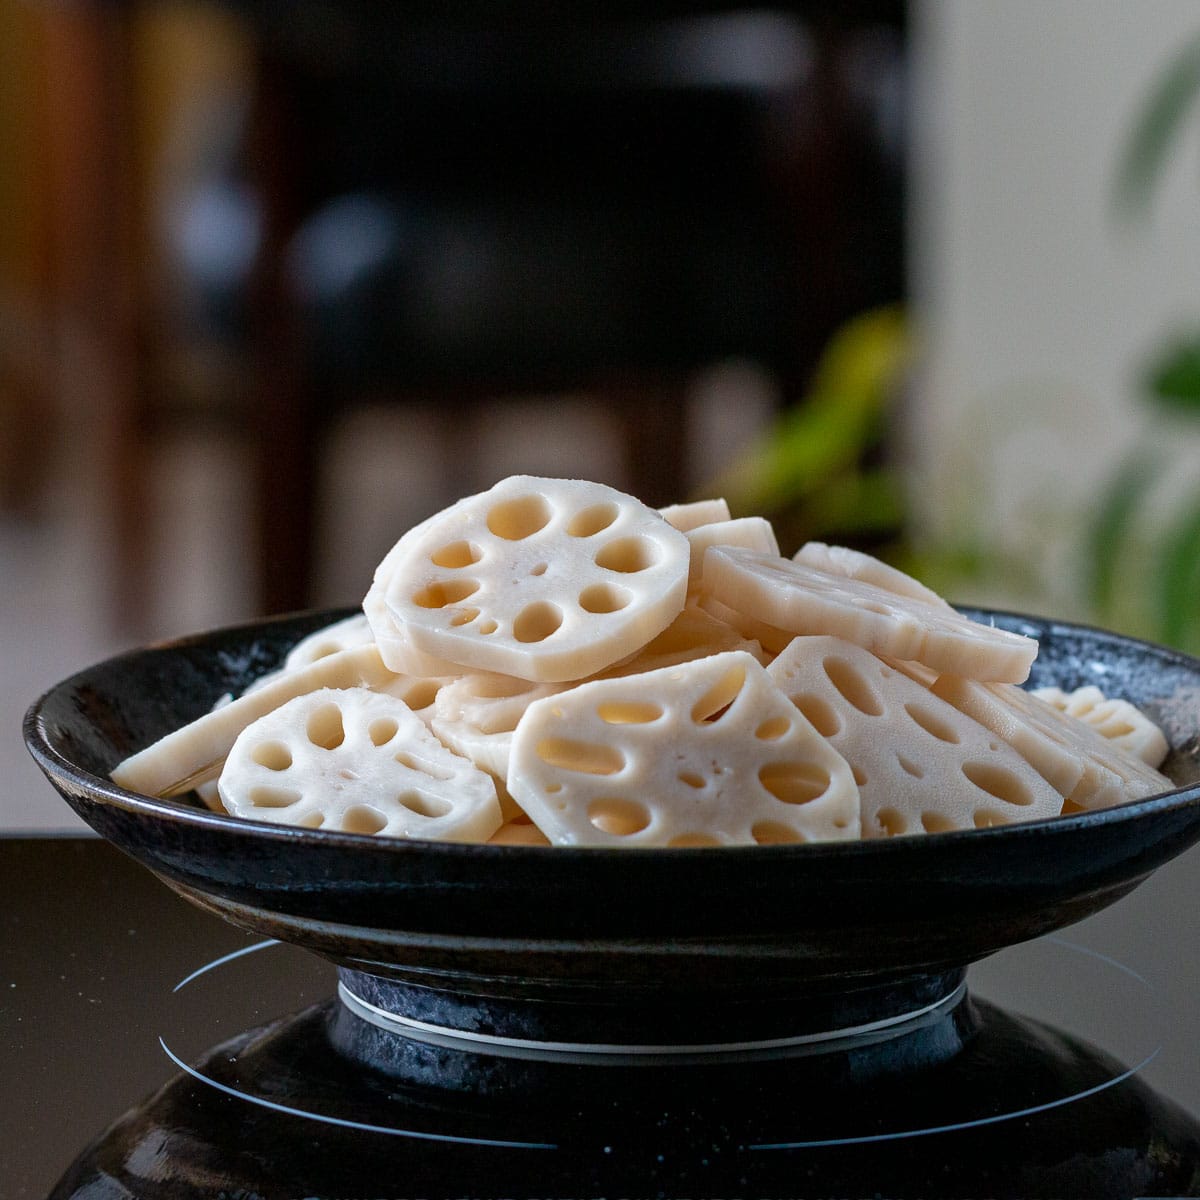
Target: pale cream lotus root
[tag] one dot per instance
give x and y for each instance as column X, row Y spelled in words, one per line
column 920, row 764
column 702, row 754
column 553, row 662
column 188, row 755
column 545, row 579
column 1101, row 773
column 804, row 600
column 1118, row 720
column 360, row 762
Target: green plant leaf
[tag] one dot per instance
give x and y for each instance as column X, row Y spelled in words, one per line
column 1173, row 376
column 1109, row 528
column 1155, row 130
column 1179, row 581
column 830, row 431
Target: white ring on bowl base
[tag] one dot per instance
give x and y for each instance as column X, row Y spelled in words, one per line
column 508, row 1047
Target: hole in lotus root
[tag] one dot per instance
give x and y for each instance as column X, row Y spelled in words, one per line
column 422, row 767
column 860, row 776
column 998, row 781
column 618, row 816
column 361, row 818
column 443, row 593
column 891, row 822
column 933, row 822
column 517, row 519
column 933, row 724
column 821, row 715
column 603, row 598
column 685, row 840
column 539, row 570
column 909, row 767
column 486, row 627
column 854, row 689
column 773, row 730
column 275, row 756
column 456, row 554
column 794, row 782
column 690, row 778
column 628, row 555
column 628, row 712
column 325, row 728
column 424, row 806
column 986, row 818
column 382, row 730
column 713, row 705
column 420, row 693
column 592, row 520
column 537, row 622
column 273, row 797
column 312, row 820
column 588, row 758
column 772, row 833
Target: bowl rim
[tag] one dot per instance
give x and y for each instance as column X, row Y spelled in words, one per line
column 102, row 789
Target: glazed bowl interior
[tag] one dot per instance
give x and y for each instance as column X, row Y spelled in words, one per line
column 537, row 921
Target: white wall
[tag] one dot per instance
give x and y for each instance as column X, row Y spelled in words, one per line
column 1038, row 304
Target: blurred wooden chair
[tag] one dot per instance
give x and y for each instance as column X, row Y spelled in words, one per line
column 456, row 211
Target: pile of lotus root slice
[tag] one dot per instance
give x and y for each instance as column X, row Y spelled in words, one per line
column 553, row 662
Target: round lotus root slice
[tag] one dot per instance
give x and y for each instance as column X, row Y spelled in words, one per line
column 853, row 564
column 356, row 761
column 1122, row 723
column 475, row 716
column 804, row 600
column 340, row 635
column 1013, row 716
column 705, row 753
column 186, row 756
column 1102, row 772
column 546, row 579
column 695, row 513
column 693, row 634
column 920, row 764
column 752, row 533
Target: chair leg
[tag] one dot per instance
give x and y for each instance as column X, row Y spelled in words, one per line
column 284, row 420
column 655, row 434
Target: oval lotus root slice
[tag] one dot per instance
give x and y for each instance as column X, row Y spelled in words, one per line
column 693, row 634
column 189, row 755
column 803, row 600
column 359, row 762
column 1009, row 713
column 695, row 513
column 545, row 579
column 1104, row 772
column 772, row 639
column 752, row 533
column 853, row 564
column 705, row 753
column 921, row 765
column 340, row 635
column 475, row 716
column 1122, row 723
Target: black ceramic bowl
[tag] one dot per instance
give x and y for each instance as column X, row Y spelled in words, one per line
column 633, row 932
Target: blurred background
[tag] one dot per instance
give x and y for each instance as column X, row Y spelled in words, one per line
column 278, row 280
